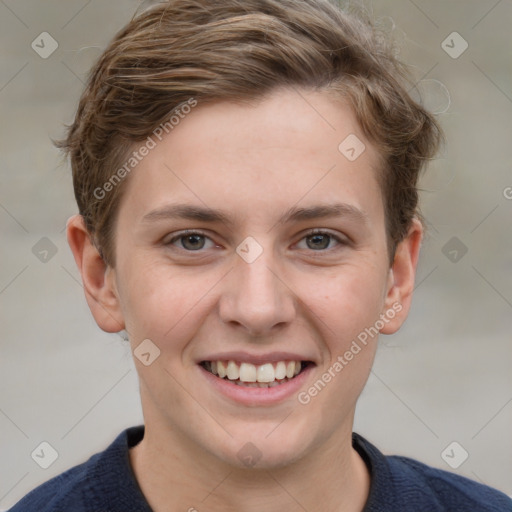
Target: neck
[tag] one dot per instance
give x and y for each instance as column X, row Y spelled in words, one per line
column 170, row 471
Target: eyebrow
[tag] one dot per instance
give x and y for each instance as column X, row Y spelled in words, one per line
column 294, row 214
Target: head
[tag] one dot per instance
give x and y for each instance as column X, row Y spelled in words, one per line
column 262, row 119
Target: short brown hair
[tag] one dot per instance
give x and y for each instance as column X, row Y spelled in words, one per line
column 237, row 50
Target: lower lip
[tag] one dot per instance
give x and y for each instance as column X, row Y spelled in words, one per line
column 257, row 396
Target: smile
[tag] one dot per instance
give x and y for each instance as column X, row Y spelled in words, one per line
column 265, row 375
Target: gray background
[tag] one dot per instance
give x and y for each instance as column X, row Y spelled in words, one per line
column 444, row 377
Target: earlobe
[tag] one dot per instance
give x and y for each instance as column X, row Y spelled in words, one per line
column 97, row 277
column 401, row 279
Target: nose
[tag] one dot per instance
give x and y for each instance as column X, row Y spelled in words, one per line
column 256, row 297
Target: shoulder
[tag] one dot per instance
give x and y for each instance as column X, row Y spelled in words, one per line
column 453, row 492
column 405, row 484
column 56, row 494
column 104, row 482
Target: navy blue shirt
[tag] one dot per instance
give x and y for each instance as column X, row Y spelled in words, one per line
column 106, row 483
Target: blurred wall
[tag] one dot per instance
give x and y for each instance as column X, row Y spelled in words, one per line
column 444, row 378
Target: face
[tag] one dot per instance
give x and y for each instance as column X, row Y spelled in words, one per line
column 247, row 241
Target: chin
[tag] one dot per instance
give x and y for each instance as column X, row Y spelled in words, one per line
column 265, row 448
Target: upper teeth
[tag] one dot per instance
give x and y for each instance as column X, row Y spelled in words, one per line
column 247, row 372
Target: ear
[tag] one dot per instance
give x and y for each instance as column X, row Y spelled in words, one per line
column 97, row 277
column 401, row 279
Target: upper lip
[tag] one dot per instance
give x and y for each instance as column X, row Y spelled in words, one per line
column 256, row 359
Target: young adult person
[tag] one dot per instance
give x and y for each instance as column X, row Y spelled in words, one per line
column 245, row 173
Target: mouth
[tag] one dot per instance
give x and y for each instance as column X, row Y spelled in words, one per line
column 248, row 375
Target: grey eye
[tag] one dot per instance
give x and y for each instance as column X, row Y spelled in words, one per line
column 318, row 241
column 192, row 242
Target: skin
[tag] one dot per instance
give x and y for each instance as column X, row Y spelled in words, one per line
column 254, row 162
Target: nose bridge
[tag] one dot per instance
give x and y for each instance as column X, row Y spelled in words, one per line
column 256, row 296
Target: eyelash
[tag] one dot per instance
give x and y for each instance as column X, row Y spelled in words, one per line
column 312, row 232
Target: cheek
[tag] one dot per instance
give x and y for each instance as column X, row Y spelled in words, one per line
column 163, row 304
column 348, row 304
column 347, row 300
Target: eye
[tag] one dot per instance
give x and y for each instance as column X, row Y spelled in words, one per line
column 194, row 241
column 319, row 240
column 190, row 240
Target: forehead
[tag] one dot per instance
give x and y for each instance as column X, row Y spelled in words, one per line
column 291, row 148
